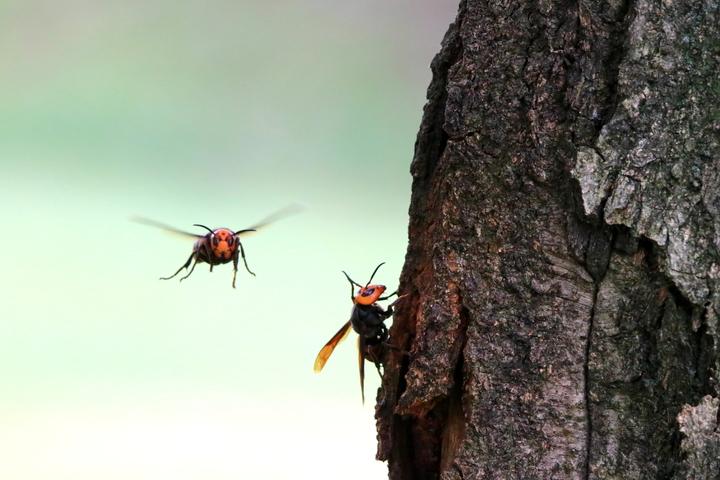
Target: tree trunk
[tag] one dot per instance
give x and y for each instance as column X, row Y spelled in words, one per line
column 563, row 268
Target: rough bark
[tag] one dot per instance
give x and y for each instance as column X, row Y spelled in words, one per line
column 563, row 267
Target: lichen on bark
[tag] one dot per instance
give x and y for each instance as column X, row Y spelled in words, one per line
column 701, row 442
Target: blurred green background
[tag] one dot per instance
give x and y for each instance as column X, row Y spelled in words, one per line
column 213, row 112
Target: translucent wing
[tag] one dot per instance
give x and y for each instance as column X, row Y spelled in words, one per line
column 163, row 226
column 326, row 351
column 272, row 218
column 361, row 365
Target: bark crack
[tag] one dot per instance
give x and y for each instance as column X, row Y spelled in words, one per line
column 586, row 371
column 454, row 432
column 618, row 52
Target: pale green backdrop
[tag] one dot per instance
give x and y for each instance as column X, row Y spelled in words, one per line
column 213, row 112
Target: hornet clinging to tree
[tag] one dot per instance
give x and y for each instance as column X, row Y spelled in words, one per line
column 368, row 320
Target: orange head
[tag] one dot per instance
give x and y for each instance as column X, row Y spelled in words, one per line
column 223, row 243
column 370, row 294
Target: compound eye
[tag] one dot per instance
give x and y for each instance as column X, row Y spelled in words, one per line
column 230, row 240
column 214, row 240
column 368, row 292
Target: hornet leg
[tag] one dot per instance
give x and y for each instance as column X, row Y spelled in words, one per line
column 388, row 296
column 242, row 252
column 235, row 265
column 397, row 349
column 191, row 270
column 187, row 264
column 209, row 255
column 389, row 310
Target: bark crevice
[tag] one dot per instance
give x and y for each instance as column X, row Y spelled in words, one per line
column 586, row 373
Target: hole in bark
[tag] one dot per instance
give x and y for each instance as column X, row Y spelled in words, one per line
column 454, row 432
column 424, row 446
